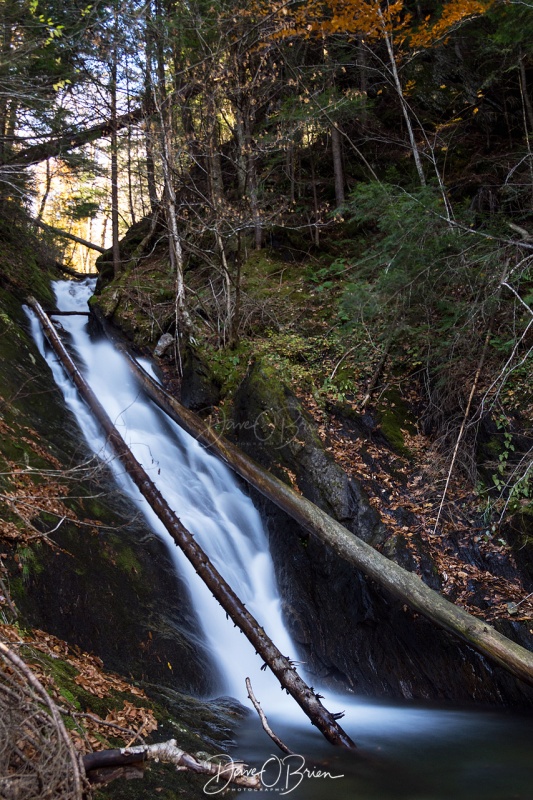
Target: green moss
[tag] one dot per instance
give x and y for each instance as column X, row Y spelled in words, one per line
column 494, row 446
column 227, row 367
column 64, row 676
column 29, row 560
column 270, row 418
column 127, row 561
column 395, row 418
column 16, row 588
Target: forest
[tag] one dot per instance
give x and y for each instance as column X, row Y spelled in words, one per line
column 316, row 217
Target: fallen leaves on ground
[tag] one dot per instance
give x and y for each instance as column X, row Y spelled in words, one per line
column 92, row 730
column 406, row 492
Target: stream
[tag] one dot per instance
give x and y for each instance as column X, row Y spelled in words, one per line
column 416, row 753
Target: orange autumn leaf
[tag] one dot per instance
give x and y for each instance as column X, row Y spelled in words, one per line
column 369, row 19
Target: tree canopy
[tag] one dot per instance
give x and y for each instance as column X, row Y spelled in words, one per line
column 327, row 129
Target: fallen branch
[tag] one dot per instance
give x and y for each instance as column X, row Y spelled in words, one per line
column 407, row 586
column 280, row 665
column 57, row 146
column 462, row 428
column 469, row 403
column 74, row 273
column 66, row 235
column 169, row 753
column 70, row 314
column 377, row 373
column 264, row 722
column 526, row 236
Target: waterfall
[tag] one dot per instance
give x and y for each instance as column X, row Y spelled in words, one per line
column 466, row 755
column 202, row 491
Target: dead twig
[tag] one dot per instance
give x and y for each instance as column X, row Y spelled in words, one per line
column 264, row 722
column 36, row 749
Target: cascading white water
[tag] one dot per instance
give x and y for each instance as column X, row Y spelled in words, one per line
column 199, row 488
column 208, row 500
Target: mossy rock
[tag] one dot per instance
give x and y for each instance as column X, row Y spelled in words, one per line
column 27, row 263
column 395, row 419
column 271, row 424
column 200, row 389
column 128, row 245
column 205, row 728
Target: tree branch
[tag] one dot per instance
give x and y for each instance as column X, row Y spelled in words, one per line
column 66, row 235
column 169, row 753
column 264, row 722
column 55, row 148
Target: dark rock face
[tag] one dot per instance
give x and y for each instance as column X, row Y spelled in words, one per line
column 118, row 596
column 134, row 236
column 355, row 635
column 199, row 391
column 271, row 426
column 351, row 633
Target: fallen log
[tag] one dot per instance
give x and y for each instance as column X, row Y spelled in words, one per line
column 67, row 235
column 74, row 272
column 103, row 766
column 57, row 146
column 70, row 314
column 280, row 665
column 405, row 585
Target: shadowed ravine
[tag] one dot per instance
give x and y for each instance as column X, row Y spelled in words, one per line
column 464, row 754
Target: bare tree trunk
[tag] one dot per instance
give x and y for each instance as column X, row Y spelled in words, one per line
column 150, row 166
column 5, row 50
column 253, row 195
column 338, row 170
column 362, row 61
column 114, row 151
column 103, row 237
column 183, row 320
column 290, row 161
column 148, row 104
column 48, row 184
column 66, row 235
column 335, row 134
column 242, row 171
column 525, row 94
column 401, row 97
column 216, row 189
column 160, row 99
column 235, row 320
column 315, row 202
column 280, row 665
column 11, row 124
column 128, row 163
column 247, row 169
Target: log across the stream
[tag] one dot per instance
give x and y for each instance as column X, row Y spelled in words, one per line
column 280, row 665
column 403, row 584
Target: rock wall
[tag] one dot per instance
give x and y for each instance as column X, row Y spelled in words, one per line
column 351, row 633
